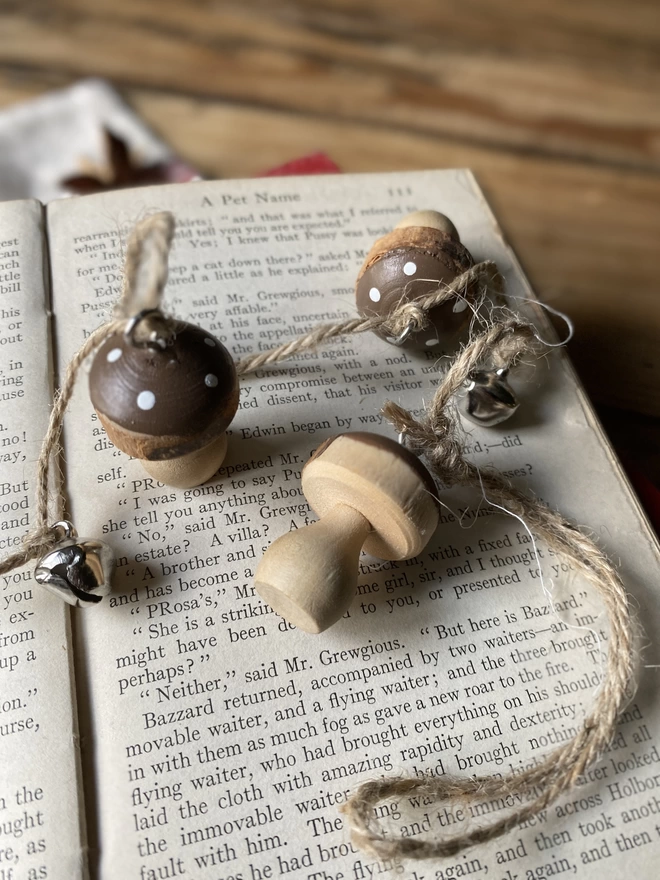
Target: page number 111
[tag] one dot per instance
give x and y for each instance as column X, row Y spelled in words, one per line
column 399, row 191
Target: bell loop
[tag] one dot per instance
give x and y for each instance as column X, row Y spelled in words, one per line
column 403, row 336
column 67, row 528
column 159, row 338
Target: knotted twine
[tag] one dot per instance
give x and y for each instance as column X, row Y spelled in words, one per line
column 437, row 435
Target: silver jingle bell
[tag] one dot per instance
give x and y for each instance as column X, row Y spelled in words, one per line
column 489, row 399
column 78, row 570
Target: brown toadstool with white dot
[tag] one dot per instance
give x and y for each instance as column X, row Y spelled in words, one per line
column 422, row 252
column 168, row 406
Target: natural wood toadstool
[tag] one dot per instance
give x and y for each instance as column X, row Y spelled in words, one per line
column 422, row 251
column 168, row 406
column 369, row 492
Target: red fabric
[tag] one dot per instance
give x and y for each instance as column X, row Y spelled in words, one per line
column 316, row 163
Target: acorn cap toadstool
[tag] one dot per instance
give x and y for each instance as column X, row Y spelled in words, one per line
column 410, row 261
column 161, row 403
column 432, row 220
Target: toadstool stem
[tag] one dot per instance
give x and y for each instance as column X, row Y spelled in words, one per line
column 309, row 576
column 192, row 469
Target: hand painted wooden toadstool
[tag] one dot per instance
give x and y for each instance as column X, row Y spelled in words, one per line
column 168, row 404
column 369, row 491
column 422, row 252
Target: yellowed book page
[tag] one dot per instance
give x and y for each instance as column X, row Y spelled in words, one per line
column 225, row 741
column 40, row 812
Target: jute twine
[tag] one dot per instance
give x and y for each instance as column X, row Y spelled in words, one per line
column 438, row 436
column 145, row 276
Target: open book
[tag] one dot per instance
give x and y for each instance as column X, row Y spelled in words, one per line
column 217, row 741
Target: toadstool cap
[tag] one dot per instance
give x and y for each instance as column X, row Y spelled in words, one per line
column 161, row 403
column 382, row 480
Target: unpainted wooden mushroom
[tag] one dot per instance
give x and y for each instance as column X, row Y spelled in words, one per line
column 422, row 252
column 168, row 405
column 370, row 493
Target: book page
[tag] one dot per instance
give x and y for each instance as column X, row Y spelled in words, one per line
column 225, row 740
column 40, row 814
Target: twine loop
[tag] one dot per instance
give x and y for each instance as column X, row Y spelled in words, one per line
column 438, row 436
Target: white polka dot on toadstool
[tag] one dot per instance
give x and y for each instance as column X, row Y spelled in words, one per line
column 460, row 305
column 210, row 380
column 431, row 342
column 113, row 355
column 374, row 295
column 210, row 342
column 410, row 268
column 146, row 399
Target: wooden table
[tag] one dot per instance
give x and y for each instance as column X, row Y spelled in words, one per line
column 555, row 104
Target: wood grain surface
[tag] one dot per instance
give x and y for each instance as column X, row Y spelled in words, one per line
column 555, row 104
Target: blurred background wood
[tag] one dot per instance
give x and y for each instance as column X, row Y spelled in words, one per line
column 555, row 104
